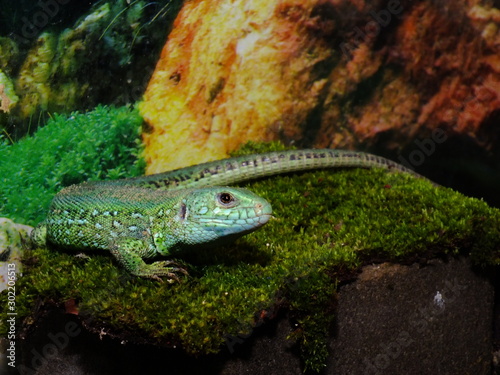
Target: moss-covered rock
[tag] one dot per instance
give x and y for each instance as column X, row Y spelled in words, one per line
column 33, row 83
column 327, row 224
column 104, row 57
column 8, row 97
column 12, row 244
column 9, row 55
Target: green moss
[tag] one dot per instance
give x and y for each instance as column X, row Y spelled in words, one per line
column 101, row 144
column 7, row 93
column 9, row 55
column 326, row 224
column 75, row 65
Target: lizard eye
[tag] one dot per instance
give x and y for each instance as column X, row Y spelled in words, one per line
column 226, row 199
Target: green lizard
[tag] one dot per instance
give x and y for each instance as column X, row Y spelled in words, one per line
column 138, row 219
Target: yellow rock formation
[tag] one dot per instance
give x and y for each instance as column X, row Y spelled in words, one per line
column 233, row 71
column 335, row 73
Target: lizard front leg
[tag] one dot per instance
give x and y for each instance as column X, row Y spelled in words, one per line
column 127, row 251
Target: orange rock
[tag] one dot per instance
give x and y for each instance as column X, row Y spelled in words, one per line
column 321, row 73
column 233, row 71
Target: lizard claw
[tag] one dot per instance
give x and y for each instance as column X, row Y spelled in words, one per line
column 162, row 269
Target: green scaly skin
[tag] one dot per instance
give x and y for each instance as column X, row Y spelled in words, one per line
column 135, row 224
column 249, row 167
column 160, row 215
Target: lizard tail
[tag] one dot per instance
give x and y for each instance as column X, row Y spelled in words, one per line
column 249, row 167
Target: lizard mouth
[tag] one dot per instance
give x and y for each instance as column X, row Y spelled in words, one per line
column 263, row 211
column 264, row 218
column 249, row 223
column 235, row 227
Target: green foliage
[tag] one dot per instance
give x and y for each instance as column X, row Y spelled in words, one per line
column 326, row 224
column 101, row 144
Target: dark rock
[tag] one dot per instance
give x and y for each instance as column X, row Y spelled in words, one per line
column 431, row 319
column 395, row 319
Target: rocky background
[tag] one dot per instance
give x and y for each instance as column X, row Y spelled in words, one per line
column 417, row 81
column 65, row 55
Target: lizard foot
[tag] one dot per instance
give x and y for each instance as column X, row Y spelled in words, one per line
column 128, row 251
column 161, row 271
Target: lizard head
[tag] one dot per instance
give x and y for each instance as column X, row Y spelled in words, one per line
column 215, row 215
